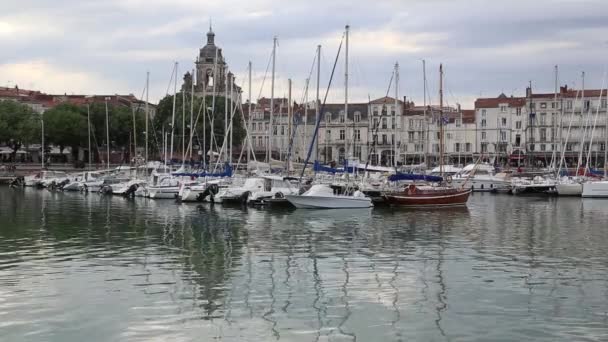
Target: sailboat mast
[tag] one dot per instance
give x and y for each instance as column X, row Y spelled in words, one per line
column 394, row 123
column 441, row 119
column 191, row 114
column 249, row 115
column 225, row 112
column 232, row 108
column 425, row 138
column 107, row 134
column 346, row 96
column 317, row 104
column 173, row 114
column 183, row 126
column 289, row 120
column 147, row 118
column 89, row 130
column 274, row 51
column 583, row 129
column 554, row 135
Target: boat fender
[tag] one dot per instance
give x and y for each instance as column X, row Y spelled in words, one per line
column 448, row 179
column 245, row 196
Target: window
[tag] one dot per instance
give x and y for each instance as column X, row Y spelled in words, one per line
column 569, row 146
column 450, row 135
column 342, row 119
column 503, row 136
column 517, row 124
column 503, row 109
column 282, row 130
column 392, row 139
column 436, row 148
column 411, row 123
column 484, row 147
column 375, row 138
column 357, row 117
column 328, row 135
column 518, row 111
column 357, row 135
column 266, row 126
column 503, row 121
column 358, row 152
column 543, row 134
column 328, row 117
column 543, row 118
column 342, row 134
column 532, row 105
column 458, row 122
column 483, row 122
column 457, row 147
column 517, row 140
column 274, row 130
column 253, row 125
column 375, row 112
column 483, row 113
column 384, row 139
column 604, row 103
column 483, row 136
column 375, row 123
column 384, row 125
column 542, row 147
column 467, row 147
column 393, row 112
column 602, row 146
column 587, row 104
column 438, row 135
column 410, row 136
column 543, row 105
column 393, row 123
column 531, row 147
column 569, row 105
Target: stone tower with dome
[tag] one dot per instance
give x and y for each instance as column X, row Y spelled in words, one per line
column 211, row 71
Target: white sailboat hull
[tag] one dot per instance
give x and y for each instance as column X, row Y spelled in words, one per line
column 482, row 185
column 595, row 189
column 329, row 202
column 573, row 189
column 163, row 192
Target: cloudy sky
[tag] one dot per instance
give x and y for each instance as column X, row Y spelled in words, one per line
column 487, row 46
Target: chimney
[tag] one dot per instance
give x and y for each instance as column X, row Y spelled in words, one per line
column 563, row 89
column 528, row 92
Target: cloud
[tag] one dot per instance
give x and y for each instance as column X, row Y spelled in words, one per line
column 49, row 78
column 487, row 46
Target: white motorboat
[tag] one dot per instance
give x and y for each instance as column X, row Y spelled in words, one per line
column 537, row 185
column 42, row 177
column 166, row 188
column 275, row 189
column 570, row 186
column 322, row 196
column 240, row 193
column 597, row 189
column 482, row 177
column 199, row 192
column 126, row 187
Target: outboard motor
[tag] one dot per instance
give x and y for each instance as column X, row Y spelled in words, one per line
column 131, row 190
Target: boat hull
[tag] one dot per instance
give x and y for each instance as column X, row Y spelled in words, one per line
column 483, row 185
column 336, row 202
column 574, row 189
column 163, row 193
column 595, row 190
column 424, row 199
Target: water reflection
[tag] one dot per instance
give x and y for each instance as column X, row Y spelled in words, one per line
column 138, row 269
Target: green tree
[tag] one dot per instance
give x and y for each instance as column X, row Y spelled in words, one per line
column 164, row 112
column 121, row 126
column 66, row 125
column 19, row 125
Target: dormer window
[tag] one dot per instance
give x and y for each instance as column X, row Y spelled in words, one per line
column 328, row 117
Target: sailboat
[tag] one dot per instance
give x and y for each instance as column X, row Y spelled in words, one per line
column 433, row 195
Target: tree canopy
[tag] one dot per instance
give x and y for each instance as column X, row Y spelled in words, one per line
column 19, row 125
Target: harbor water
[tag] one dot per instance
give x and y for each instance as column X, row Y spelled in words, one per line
column 76, row 267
